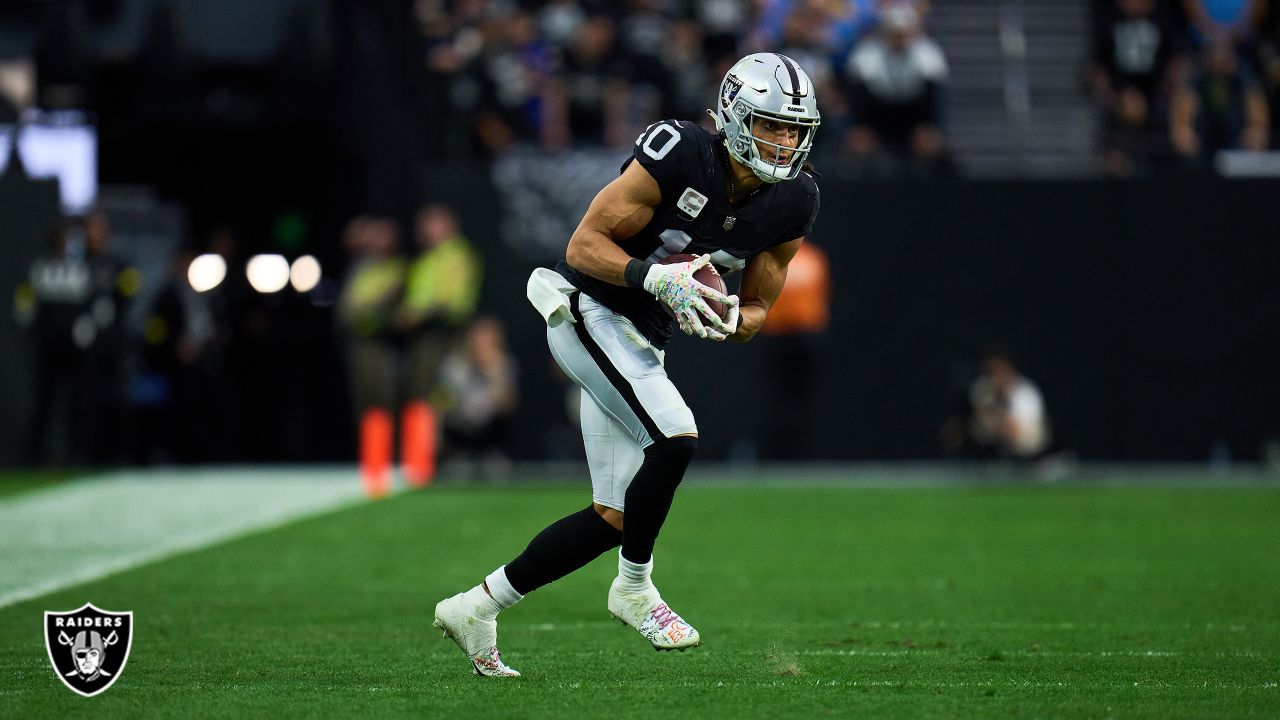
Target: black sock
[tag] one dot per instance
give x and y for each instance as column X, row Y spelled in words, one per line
column 650, row 493
column 562, row 547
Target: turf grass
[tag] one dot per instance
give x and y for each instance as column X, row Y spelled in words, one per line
column 1007, row 602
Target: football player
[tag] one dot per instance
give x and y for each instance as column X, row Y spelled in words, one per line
column 742, row 200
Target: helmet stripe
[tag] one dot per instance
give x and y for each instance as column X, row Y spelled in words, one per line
column 799, row 88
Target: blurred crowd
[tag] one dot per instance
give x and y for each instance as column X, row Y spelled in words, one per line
column 485, row 76
column 564, row 74
column 1174, row 81
column 1178, row 81
column 173, row 368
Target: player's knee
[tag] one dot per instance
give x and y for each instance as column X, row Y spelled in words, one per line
column 675, row 451
column 609, row 515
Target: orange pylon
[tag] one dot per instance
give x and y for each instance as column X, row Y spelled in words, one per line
column 375, row 451
column 418, row 443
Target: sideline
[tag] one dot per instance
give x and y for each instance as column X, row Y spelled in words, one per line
column 86, row 529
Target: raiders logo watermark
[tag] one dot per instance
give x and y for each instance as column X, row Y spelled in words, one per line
column 88, row 647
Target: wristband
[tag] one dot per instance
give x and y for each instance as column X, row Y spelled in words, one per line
column 635, row 273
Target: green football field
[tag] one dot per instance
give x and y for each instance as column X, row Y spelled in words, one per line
column 1065, row 601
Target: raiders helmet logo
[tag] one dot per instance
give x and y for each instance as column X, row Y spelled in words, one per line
column 729, row 90
column 88, row 647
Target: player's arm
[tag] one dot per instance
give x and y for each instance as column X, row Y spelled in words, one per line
column 762, row 280
column 621, row 209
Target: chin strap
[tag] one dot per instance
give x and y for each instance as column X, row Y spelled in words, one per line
column 716, row 118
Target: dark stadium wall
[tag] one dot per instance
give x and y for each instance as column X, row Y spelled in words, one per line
column 1146, row 312
column 28, row 211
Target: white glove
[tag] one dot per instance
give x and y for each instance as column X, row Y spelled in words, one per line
column 722, row 329
column 674, row 285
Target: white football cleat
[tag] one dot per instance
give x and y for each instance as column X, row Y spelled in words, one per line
column 477, row 637
column 654, row 619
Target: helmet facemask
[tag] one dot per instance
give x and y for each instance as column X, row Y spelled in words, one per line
column 768, row 165
column 767, row 87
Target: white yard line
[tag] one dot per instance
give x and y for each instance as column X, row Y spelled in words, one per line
column 1011, row 653
column 91, row 528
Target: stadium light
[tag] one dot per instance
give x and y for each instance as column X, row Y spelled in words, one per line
column 267, row 273
column 206, row 272
column 305, row 273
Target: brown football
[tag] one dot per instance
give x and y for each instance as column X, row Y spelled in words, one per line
column 707, row 276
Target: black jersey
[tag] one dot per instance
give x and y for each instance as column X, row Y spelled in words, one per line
column 691, row 166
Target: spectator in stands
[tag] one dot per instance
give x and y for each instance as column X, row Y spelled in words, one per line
column 587, row 95
column 1235, row 21
column 1139, row 57
column 690, row 70
column 644, row 37
column 1135, row 142
column 560, row 20
column 1004, row 415
column 846, row 20
column 807, row 38
column 895, row 80
column 794, row 331
column 440, row 293
column 497, row 75
column 1222, row 108
column 1137, row 45
column 479, row 380
column 720, row 22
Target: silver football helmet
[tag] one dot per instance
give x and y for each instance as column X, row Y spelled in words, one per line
column 772, row 86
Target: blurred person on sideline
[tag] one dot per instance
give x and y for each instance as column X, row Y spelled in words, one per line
column 56, row 303
column 183, row 360
column 479, row 385
column 895, row 79
column 366, row 312
column 112, row 289
column 1222, row 108
column 795, row 330
column 1004, row 415
column 1139, row 57
column 440, row 292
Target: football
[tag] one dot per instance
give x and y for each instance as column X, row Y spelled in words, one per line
column 708, row 276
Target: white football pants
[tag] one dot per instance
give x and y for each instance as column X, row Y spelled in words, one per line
column 628, row 402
